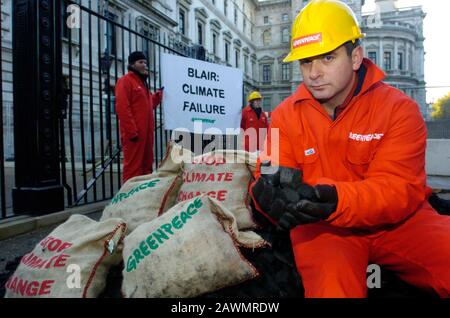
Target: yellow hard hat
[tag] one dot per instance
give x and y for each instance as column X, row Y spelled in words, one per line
column 321, row 27
column 254, row 95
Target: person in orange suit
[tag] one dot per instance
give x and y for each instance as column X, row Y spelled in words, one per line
column 135, row 106
column 254, row 123
column 346, row 173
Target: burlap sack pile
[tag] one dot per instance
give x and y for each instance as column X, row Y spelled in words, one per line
column 143, row 198
column 71, row 262
column 190, row 250
column 224, row 175
column 174, row 158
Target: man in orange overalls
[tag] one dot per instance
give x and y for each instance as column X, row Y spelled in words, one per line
column 135, row 106
column 358, row 145
column 254, row 123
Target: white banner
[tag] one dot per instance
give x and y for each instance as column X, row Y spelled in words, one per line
column 201, row 97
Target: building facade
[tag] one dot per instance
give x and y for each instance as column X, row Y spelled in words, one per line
column 395, row 42
column 251, row 35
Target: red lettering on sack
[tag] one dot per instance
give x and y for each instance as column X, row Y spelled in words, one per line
column 204, row 177
column 210, row 160
column 64, row 246
column 46, row 286
column 43, row 243
column 61, row 260
column 12, row 282
column 32, row 289
column 21, row 287
column 221, row 195
column 54, row 244
column 229, row 176
column 29, row 288
column 49, row 262
column 33, row 261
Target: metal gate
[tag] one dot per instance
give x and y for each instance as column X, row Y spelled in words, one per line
column 68, row 58
column 95, row 45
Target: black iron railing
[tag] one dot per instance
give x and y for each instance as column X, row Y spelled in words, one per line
column 94, row 58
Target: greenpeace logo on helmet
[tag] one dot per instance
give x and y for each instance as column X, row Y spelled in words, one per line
column 306, row 40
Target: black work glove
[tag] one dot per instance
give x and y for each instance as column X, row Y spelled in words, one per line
column 279, row 186
column 310, row 211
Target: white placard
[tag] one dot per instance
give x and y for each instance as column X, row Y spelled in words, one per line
column 201, row 97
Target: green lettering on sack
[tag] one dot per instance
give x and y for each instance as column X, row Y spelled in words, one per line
column 191, row 210
column 184, row 217
column 122, row 196
column 164, row 232
column 160, row 235
column 151, row 242
column 137, row 255
column 198, row 203
column 167, row 228
column 131, row 264
column 144, row 249
column 176, row 223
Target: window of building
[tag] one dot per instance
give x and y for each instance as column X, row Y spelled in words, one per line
column 148, row 30
column 237, row 55
column 146, row 43
column 227, row 52
column 225, row 7
column 285, row 17
column 285, row 72
column 235, row 15
column 253, row 70
column 200, row 33
column 266, row 20
column 267, row 37
column 267, row 103
column 214, row 43
column 213, row 2
column 410, row 61
column 245, row 64
column 182, row 22
column 111, row 36
column 400, row 60
column 285, row 35
column 267, row 73
column 244, row 25
column 387, row 61
column 373, row 56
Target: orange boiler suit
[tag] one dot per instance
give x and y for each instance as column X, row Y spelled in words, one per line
column 135, row 106
column 374, row 154
column 250, row 120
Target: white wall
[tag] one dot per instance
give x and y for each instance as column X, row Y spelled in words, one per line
column 438, row 157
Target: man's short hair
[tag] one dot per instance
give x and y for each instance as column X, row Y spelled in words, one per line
column 350, row 46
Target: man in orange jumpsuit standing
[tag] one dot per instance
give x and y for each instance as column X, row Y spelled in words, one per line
column 254, row 123
column 135, row 106
column 358, row 145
